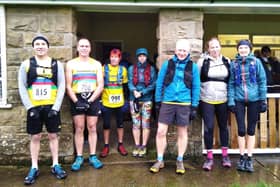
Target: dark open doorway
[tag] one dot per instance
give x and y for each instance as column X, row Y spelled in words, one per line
column 125, row 31
column 102, row 49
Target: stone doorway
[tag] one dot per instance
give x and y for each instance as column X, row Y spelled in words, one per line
column 125, row 31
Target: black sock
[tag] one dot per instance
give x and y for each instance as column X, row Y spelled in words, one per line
column 92, row 155
column 106, row 145
column 120, row 143
column 241, row 157
column 249, row 158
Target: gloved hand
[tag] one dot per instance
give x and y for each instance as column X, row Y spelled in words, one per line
column 81, row 105
column 193, row 113
column 52, row 113
column 34, row 113
column 263, row 106
column 232, row 108
column 136, row 105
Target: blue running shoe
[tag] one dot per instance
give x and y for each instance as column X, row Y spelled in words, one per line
column 97, row 164
column 31, row 177
column 59, row 172
column 76, row 166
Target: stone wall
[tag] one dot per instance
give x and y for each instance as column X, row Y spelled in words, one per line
column 23, row 23
column 174, row 25
column 59, row 25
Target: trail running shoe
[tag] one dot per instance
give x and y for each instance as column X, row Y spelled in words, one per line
column 226, row 162
column 58, row 172
column 180, row 169
column 208, row 164
column 122, row 150
column 135, row 152
column 97, row 164
column 142, row 152
column 76, row 166
column 241, row 165
column 249, row 166
column 31, row 177
column 157, row 166
column 104, row 152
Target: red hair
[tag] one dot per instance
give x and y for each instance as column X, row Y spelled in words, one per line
column 116, row 52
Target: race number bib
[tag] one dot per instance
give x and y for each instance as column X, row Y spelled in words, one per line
column 115, row 98
column 41, row 92
column 84, row 86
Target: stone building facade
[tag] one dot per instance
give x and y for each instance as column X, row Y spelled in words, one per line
column 60, row 26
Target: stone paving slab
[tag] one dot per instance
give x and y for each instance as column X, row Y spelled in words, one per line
column 136, row 173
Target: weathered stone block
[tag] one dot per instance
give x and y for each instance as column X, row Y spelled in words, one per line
column 47, row 23
column 16, row 56
column 70, row 40
column 13, row 96
column 62, row 54
column 176, row 29
column 13, row 116
column 166, row 15
column 23, row 23
column 56, row 39
column 14, row 39
column 10, row 144
column 63, row 24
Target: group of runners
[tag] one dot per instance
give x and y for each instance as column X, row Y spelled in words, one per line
column 215, row 84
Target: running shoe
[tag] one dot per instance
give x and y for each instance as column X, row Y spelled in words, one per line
column 122, row 150
column 76, row 166
column 104, row 152
column 208, row 164
column 97, row 164
column 180, row 169
column 58, row 172
column 226, row 162
column 157, row 166
column 31, row 176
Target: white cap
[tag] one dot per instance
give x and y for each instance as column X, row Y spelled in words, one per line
column 183, row 44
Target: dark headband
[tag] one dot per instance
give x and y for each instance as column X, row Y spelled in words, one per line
column 40, row 38
column 244, row 42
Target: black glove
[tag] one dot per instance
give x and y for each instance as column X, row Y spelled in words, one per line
column 232, row 108
column 34, row 113
column 193, row 113
column 81, row 105
column 136, row 105
column 52, row 113
column 263, row 106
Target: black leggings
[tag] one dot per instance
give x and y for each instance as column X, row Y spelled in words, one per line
column 208, row 115
column 107, row 113
column 252, row 117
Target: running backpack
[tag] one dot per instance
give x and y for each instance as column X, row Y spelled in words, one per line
column 188, row 77
column 32, row 72
column 119, row 76
column 238, row 72
column 147, row 74
column 205, row 69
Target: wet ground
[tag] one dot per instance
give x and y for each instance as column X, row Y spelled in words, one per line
column 130, row 172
